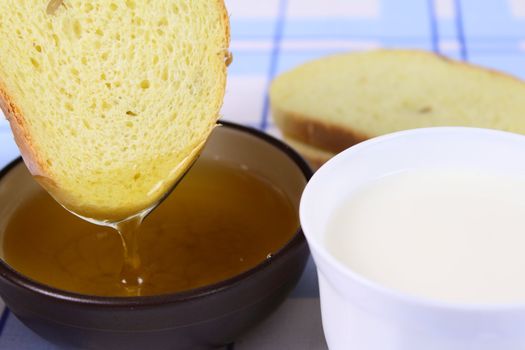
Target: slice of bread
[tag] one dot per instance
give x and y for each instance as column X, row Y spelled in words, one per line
column 337, row 101
column 110, row 101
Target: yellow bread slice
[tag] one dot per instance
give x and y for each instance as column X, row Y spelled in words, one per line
column 110, row 101
column 334, row 102
column 315, row 156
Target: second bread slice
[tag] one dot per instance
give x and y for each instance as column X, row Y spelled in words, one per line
column 334, row 102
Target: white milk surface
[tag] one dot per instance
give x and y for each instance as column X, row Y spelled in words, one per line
column 451, row 235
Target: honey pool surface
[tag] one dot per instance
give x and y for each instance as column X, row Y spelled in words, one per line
column 221, row 220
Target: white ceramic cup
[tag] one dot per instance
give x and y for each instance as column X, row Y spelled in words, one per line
column 362, row 315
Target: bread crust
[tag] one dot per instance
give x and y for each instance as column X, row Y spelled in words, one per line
column 315, row 163
column 21, row 134
column 315, row 157
column 306, row 129
column 227, row 54
column 313, row 131
column 226, row 22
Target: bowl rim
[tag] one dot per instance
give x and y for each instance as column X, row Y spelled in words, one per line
column 14, row 277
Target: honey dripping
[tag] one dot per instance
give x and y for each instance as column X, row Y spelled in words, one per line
column 130, row 275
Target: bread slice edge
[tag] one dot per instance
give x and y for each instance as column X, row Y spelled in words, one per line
column 314, row 156
column 315, row 132
column 22, row 137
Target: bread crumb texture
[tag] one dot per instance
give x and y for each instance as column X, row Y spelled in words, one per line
column 113, row 95
column 378, row 92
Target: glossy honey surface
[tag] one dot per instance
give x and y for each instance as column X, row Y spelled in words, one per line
column 221, row 220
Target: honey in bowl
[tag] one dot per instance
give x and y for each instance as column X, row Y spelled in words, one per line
column 219, row 221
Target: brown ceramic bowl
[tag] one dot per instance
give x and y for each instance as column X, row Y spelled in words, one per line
column 202, row 318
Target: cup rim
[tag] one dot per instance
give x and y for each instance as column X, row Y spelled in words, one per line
column 18, row 279
column 376, row 287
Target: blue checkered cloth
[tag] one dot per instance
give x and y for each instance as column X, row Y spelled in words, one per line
column 272, row 36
